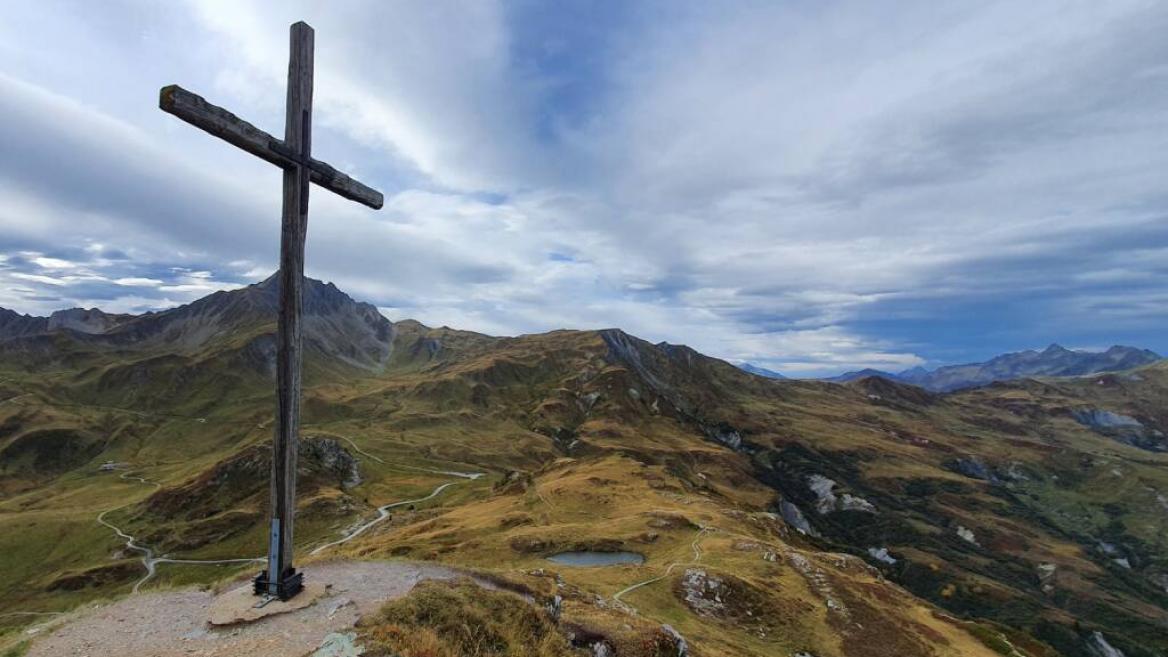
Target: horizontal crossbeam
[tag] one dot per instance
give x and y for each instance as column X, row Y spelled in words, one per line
column 215, row 120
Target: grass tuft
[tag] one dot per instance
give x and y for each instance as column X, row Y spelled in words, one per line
column 461, row 619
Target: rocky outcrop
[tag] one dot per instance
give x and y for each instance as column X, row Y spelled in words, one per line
column 727, row 436
column 795, row 518
column 704, row 592
column 328, row 456
column 881, row 555
column 1098, row 646
column 678, row 640
column 971, row 467
column 827, row 501
column 91, row 321
column 966, row 534
column 1100, row 419
column 1046, row 573
column 1122, row 428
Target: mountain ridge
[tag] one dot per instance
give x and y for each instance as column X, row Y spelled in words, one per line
column 1055, row 360
column 760, row 371
column 1001, row 504
column 370, row 333
column 333, row 323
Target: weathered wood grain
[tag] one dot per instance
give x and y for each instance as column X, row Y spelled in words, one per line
column 293, row 230
column 214, row 120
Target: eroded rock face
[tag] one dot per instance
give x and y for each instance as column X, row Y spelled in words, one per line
column 678, row 640
column 1098, row 646
column 1122, row 428
column 881, row 554
column 1100, row 419
column 795, row 518
column 827, row 501
column 84, row 320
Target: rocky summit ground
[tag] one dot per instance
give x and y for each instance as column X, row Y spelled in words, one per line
column 174, row 623
column 736, row 514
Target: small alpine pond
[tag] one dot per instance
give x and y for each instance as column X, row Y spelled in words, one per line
column 591, row 558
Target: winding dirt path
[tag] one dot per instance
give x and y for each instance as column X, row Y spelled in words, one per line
column 382, row 514
column 697, row 556
column 383, row 511
column 149, row 561
column 147, row 553
column 357, row 448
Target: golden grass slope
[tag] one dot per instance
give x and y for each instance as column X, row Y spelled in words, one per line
column 597, row 440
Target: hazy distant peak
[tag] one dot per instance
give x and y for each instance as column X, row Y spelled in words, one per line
column 760, row 371
column 92, row 320
column 1055, row 360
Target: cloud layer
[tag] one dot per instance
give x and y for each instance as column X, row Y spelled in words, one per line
column 809, row 187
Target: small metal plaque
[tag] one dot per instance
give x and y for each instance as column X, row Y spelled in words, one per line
column 274, row 558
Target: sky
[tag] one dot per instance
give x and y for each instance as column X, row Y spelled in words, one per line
column 807, row 186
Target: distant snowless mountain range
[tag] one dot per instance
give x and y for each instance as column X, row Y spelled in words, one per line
column 1054, row 361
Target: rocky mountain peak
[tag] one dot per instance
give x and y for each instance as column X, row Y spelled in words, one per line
column 334, row 324
column 82, row 320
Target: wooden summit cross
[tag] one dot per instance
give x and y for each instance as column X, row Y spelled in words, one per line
column 293, row 154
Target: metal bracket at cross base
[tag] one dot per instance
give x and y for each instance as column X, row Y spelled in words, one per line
column 288, row 584
column 284, row 588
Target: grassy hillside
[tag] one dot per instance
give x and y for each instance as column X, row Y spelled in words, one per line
column 774, row 517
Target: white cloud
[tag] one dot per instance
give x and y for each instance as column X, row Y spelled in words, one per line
column 38, row 278
column 138, row 282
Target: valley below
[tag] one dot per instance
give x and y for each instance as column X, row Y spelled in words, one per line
column 712, row 512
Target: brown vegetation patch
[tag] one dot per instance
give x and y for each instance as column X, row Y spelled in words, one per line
column 461, row 619
column 868, row 631
column 666, row 520
column 96, row 577
column 515, row 520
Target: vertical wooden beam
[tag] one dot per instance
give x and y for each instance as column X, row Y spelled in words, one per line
column 294, row 224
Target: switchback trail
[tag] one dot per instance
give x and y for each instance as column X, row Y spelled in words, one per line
column 149, row 561
column 382, row 514
column 383, row 511
column 400, row 466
